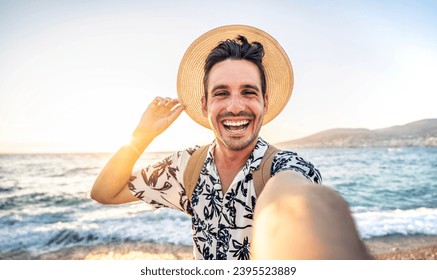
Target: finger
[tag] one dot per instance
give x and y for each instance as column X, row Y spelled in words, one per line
column 167, row 103
column 175, row 113
column 164, row 104
column 170, row 102
column 157, row 100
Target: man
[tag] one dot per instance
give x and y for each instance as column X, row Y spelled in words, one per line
column 233, row 87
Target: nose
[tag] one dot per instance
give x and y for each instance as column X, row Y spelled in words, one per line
column 235, row 104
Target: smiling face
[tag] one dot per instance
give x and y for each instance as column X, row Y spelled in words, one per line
column 235, row 106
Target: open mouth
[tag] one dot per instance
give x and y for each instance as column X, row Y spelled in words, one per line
column 236, row 126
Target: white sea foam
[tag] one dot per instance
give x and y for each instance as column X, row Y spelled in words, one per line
column 405, row 222
column 163, row 226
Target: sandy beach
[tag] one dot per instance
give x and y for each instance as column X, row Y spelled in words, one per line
column 403, row 247
column 383, row 248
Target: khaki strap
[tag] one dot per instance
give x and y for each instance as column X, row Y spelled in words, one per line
column 193, row 169
column 263, row 173
column 197, row 160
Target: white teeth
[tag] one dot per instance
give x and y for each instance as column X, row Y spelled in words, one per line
column 235, row 123
column 235, row 126
column 236, row 130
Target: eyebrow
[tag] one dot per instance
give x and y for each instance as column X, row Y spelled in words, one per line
column 217, row 87
column 251, row 87
column 247, row 86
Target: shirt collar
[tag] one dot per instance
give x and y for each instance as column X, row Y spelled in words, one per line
column 254, row 159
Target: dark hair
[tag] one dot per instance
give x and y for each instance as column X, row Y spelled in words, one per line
column 238, row 48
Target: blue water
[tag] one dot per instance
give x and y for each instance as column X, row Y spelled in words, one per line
column 45, row 204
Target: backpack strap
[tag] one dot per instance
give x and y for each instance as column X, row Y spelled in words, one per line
column 263, row 173
column 197, row 160
column 194, row 166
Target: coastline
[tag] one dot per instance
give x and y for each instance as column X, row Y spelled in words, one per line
column 382, row 248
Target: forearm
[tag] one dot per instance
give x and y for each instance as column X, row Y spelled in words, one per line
column 112, row 180
column 110, row 186
column 307, row 221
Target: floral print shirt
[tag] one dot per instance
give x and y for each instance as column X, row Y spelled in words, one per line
column 221, row 222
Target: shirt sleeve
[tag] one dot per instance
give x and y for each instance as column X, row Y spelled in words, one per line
column 161, row 184
column 287, row 160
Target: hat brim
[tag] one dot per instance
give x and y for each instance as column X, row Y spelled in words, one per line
column 277, row 65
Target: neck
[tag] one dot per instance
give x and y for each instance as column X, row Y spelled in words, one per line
column 229, row 162
column 228, row 158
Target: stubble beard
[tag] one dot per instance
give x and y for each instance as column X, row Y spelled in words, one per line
column 236, row 144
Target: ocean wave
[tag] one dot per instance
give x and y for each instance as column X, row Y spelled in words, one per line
column 44, row 234
column 66, row 237
column 78, row 171
column 39, row 199
column 45, row 204
column 404, row 222
column 60, row 228
column 6, row 190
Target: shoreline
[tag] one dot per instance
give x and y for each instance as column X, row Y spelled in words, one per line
column 381, row 248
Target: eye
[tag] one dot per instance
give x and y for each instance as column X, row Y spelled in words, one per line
column 249, row 92
column 220, row 93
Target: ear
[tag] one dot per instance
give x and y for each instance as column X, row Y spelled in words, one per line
column 266, row 102
column 204, row 106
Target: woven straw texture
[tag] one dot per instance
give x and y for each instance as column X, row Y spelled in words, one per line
column 278, row 70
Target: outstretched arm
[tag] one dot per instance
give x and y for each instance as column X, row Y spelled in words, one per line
column 110, row 186
column 295, row 219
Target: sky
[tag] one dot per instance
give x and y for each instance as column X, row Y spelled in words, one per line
column 76, row 76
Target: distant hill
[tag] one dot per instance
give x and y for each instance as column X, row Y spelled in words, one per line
column 421, row 133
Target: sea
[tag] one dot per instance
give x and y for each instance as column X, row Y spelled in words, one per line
column 45, row 203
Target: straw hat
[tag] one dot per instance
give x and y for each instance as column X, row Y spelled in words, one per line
column 279, row 74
